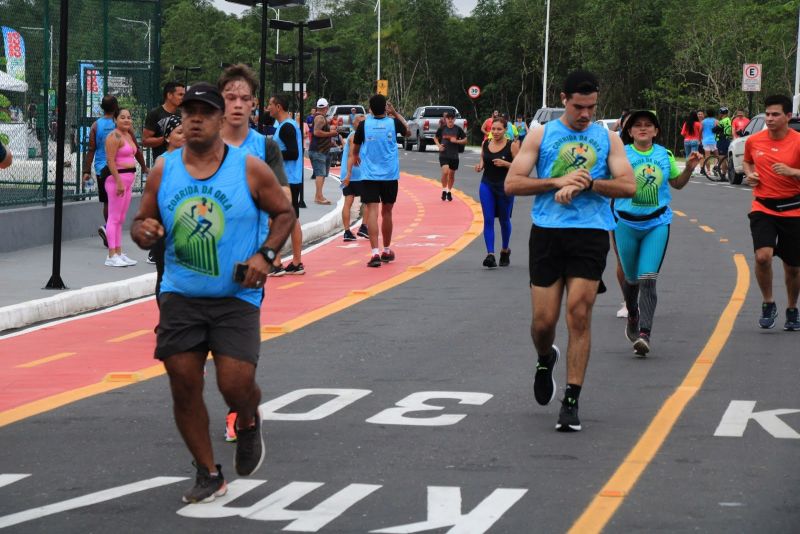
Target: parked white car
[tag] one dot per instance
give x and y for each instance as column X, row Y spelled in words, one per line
column 607, row 123
column 736, row 148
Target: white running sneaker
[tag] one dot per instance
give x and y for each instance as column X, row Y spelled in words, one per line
column 115, row 261
column 622, row 313
column 127, row 260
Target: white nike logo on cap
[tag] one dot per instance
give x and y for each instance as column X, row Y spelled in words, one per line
column 199, row 93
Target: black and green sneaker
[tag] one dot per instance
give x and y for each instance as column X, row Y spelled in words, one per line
column 206, row 487
column 544, row 385
column 568, row 416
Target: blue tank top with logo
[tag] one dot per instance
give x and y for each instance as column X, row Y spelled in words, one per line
column 210, row 225
column 379, row 158
column 652, row 171
column 255, row 144
column 355, row 176
column 562, row 151
column 104, row 127
column 294, row 169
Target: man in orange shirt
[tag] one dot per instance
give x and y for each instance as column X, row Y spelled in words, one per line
column 772, row 167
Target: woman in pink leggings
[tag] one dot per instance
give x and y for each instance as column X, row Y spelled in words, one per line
column 122, row 152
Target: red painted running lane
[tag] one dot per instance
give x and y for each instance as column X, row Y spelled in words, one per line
column 82, row 352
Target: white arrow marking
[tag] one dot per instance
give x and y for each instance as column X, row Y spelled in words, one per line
column 738, row 414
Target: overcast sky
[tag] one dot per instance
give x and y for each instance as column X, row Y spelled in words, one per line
column 462, row 6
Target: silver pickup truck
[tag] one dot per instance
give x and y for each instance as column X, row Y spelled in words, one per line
column 422, row 126
column 340, row 114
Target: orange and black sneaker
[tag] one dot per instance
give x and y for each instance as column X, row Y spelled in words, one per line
column 230, row 427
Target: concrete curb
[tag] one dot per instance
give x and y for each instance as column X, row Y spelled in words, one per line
column 94, row 297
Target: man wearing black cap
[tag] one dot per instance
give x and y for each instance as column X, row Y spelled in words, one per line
column 212, row 287
column 579, row 166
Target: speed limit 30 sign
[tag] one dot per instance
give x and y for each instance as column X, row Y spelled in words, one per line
column 474, row 91
column 751, row 77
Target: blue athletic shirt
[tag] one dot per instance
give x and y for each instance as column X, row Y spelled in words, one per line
column 709, row 137
column 562, row 151
column 379, row 159
column 210, row 225
column 255, row 144
column 104, row 127
column 652, row 170
column 294, row 169
column 355, row 176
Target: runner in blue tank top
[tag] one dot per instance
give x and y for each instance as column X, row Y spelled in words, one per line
column 643, row 221
column 579, row 167
column 213, row 278
column 375, row 150
column 351, row 185
column 97, row 152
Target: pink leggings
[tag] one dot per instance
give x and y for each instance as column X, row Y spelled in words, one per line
column 117, row 207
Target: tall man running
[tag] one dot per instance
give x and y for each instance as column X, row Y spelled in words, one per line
column 772, row 167
column 569, row 236
column 380, row 171
column 207, row 301
column 449, row 137
column 290, row 139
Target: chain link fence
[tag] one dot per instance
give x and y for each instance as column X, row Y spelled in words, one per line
column 113, row 49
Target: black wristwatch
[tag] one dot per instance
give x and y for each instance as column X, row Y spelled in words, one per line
column 268, row 254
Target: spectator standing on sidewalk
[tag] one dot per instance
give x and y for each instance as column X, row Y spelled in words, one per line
column 319, row 149
column 739, row 123
column 97, row 154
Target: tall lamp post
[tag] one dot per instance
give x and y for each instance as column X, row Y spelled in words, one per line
column 319, row 50
column 186, row 71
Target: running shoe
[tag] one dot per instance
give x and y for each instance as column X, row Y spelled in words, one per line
column 150, row 259
column 632, row 328
column 792, row 323
column 230, row 427
column 295, row 269
column 544, row 385
column 363, row 232
column 505, row 258
column 348, row 236
column 277, row 270
column 444, row 195
column 101, row 231
column 375, row 261
column 206, row 488
column 642, row 344
column 769, row 311
column 115, row 261
column 449, row 196
column 489, row 261
column 127, row 260
column 249, row 448
column 568, row 416
column 386, row 257
column 623, row 311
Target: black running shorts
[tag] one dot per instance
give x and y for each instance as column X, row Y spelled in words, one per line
column 384, row 191
column 782, row 234
column 354, row 189
column 102, row 194
column 450, row 162
column 224, row 326
column 561, row 253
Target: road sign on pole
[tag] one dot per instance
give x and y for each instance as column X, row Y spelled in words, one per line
column 474, row 91
column 751, row 77
column 297, row 87
column 383, row 87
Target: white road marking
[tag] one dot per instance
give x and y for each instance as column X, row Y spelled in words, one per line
column 416, row 403
column 5, row 480
column 341, row 398
column 739, row 413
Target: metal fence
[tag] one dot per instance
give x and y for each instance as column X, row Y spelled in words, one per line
column 113, row 49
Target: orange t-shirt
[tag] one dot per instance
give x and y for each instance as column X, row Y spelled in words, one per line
column 764, row 152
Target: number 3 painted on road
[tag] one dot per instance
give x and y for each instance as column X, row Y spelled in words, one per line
column 416, row 403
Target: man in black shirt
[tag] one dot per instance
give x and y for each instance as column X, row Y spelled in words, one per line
column 153, row 131
column 448, row 138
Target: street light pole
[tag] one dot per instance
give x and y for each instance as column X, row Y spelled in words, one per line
column 262, row 77
column 378, row 7
column 546, row 46
column 796, row 99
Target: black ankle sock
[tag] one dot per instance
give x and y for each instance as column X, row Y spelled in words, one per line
column 573, row 391
column 545, row 358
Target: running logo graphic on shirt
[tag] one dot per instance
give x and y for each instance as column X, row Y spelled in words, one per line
column 648, row 181
column 199, row 224
column 573, row 156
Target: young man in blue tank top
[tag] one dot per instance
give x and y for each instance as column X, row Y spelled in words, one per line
column 97, row 152
column 212, row 288
column 375, row 150
column 579, row 167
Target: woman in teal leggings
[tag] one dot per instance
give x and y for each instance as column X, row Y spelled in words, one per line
column 643, row 221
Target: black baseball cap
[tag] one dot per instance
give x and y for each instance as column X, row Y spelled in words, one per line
column 630, row 119
column 581, row 81
column 204, row 92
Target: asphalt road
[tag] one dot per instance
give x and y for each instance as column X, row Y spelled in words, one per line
column 486, row 458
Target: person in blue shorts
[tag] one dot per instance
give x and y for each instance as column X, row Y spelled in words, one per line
column 643, row 222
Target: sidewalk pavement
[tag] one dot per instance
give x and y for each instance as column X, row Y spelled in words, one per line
column 92, row 285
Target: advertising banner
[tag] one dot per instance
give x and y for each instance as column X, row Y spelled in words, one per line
column 15, row 53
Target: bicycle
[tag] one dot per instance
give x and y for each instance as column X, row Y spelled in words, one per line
column 715, row 168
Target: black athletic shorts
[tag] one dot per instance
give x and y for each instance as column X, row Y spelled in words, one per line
column 354, row 189
column 296, row 190
column 561, row 253
column 102, row 195
column 782, row 234
column 224, row 326
column 451, row 162
column 384, row 191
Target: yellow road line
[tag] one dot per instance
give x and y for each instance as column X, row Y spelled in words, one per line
column 293, row 284
column 354, row 297
column 54, row 357
column 324, row 273
column 611, row 496
column 679, row 213
column 351, row 262
column 693, row 220
column 706, row 228
column 132, row 335
column 723, row 240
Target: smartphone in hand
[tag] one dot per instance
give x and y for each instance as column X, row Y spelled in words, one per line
column 239, row 272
